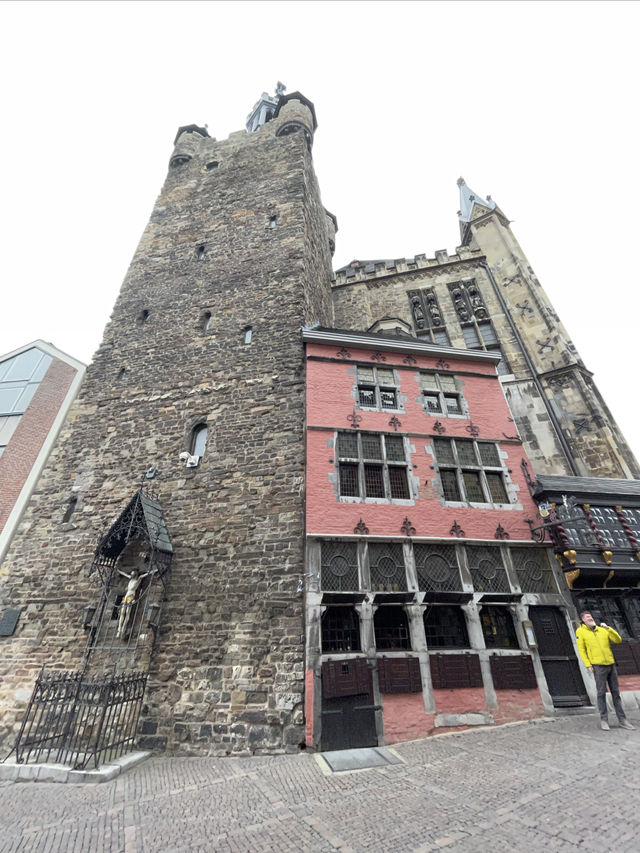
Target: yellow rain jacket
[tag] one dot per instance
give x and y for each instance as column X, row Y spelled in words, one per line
column 594, row 644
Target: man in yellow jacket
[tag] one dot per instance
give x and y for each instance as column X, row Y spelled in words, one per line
column 594, row 645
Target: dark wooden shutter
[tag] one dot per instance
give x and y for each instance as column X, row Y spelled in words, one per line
column 399, row 675
column 513, row 672
column 452, row 671
column 345, row 678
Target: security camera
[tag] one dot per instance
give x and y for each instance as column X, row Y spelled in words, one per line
column 184, row 456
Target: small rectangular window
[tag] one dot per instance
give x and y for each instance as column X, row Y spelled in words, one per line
column 440, row 394
column 377, row 387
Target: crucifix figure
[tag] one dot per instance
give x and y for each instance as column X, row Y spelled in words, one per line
column 135, row 579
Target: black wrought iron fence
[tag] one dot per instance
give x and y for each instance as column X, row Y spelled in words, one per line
column 76, row 719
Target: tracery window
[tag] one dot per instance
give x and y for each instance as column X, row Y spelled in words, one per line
column 372, row 465
column 533, row 570
column 437, row 567
column 477, row 329
column 339, row 566
column 470, row 470
column 427, row 316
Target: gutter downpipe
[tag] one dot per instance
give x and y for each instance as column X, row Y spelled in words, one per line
column 534, row 376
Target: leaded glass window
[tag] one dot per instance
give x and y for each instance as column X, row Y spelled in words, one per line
column 372, row 465
column 386, row 567
column 470, row 471
column 533, row 570
column 437, row 567
column 487, row 568
column 339, row 566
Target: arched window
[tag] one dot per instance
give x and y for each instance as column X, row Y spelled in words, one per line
column 198, row 440
column 143, row 316
column 200, row 251
column 206, row 321
column 122, row 375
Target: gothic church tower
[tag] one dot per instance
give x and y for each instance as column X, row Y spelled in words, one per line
column 198, row 380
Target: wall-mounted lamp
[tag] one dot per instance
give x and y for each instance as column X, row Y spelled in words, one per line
column 87, row 616
column 153, row 615
column 529, row 633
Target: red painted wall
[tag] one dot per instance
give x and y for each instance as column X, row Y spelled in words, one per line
column 404, row 717
column 330, row 388
column 308, row 706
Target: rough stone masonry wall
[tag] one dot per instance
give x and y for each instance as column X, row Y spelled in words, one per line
column 227, row 675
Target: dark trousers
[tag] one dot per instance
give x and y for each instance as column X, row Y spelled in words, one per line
column 608, row 675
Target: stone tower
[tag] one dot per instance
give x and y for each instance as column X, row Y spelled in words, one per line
column 200, row 376
column 487, row 296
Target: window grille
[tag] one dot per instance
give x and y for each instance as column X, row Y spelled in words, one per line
column 386, row 566
column 487, row 569
column 391, row 628
column 498, row 628
column 440, row 394
column 533, row 570
column 470, row 471
column 372, row 465
column 445, row 627
column 377, row 388
column 340, row 630
column 437, row 568
column 339, row 566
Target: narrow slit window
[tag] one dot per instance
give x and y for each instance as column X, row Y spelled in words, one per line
column 199, row 440
column 273, row 221
column 122, row 375
column 200, row 252
column 206, row 321
column 248, row 334
column 143, row 316
column 212, row 166
column 71, row 508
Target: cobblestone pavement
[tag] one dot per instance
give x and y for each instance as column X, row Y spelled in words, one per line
column 553, row 785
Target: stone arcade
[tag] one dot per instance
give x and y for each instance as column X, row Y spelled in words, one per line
column 413, row 572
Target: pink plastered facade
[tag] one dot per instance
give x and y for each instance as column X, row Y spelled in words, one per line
column 372, row 675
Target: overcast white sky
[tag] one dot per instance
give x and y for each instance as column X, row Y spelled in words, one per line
column 534, row 103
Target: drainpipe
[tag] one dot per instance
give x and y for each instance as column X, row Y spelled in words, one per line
column 534, row 376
